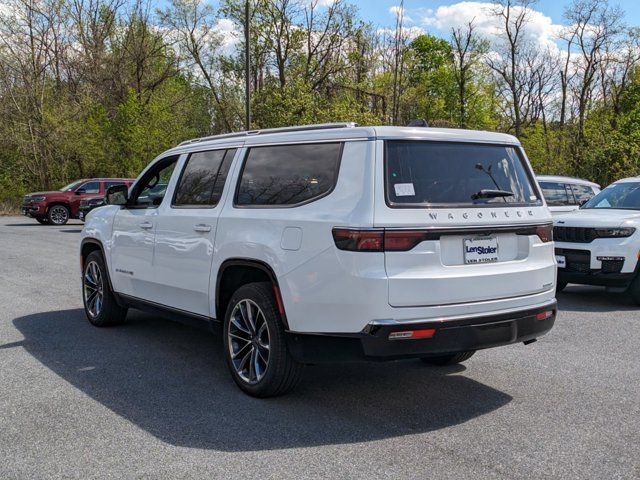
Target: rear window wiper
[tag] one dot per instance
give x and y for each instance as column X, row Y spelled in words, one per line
column 488, row 193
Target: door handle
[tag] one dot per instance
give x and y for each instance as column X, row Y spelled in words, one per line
column 201, row 227
column 146, row 225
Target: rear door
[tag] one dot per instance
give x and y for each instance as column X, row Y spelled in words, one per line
column 186, row 229
column 461, row 223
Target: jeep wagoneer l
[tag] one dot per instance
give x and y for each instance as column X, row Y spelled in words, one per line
column 331, row 243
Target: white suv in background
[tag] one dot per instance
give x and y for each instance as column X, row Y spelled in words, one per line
column 331, row 243
column 600, row 243
column 566, row 194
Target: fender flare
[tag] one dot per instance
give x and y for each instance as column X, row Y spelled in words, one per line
column 254, row 263
column 98, row 243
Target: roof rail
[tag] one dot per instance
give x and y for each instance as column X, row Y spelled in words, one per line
column 301, row 128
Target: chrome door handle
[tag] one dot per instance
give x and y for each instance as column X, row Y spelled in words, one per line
column 201, row 227
column 146, row 225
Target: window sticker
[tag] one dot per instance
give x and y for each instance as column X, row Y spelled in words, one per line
column 404, row 190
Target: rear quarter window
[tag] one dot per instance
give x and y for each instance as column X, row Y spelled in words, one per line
column 555, row 194
column 288, row 175
column 446, row 174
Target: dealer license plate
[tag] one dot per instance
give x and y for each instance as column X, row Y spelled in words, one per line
column 480, row 250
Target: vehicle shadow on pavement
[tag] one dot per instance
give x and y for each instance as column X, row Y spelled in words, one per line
column 582, row 298
column 171, row 380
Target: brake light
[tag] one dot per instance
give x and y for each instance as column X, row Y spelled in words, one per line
column 359, row 240
column 355, row 240
column 545, row 232
column 403, row 240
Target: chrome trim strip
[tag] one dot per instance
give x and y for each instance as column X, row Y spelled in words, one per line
column 390, row 321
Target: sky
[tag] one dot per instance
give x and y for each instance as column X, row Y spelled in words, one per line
column 378, row 11
column 438, row 17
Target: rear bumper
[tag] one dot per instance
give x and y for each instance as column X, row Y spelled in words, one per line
column 469, row 333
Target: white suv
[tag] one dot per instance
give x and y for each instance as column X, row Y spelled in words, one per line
column 566, row 194
column 600, row 243
column 331, row 243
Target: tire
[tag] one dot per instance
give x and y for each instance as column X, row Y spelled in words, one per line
column 560, row 286
column 42, row 220
column 100, row 305
column 58, row 215
column 258, row 371
column 449, row 359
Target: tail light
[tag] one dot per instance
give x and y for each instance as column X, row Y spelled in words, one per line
column 545, row 232
column 355, row 240
column 403, row 240
column 359, row 240
column 381, row 240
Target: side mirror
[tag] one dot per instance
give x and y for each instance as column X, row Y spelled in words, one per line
column 582, row 202
column 117, row 195
column 80, row 191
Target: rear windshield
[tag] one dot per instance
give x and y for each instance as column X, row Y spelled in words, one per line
column 420, row 173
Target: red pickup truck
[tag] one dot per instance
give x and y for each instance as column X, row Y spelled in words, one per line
column 58, row 206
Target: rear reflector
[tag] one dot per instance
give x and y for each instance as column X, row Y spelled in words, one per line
column 544, row 315
column 412, row 334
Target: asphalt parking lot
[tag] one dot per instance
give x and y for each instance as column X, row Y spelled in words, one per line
column 153, row 399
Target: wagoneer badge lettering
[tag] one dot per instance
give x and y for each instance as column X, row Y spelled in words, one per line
column 476, row 214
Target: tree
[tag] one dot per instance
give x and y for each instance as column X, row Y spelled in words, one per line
column 468, row 51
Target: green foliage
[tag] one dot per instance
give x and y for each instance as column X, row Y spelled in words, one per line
column 127, row 90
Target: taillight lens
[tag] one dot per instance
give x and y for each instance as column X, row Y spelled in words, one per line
column 545, row 232
column 355, row 240
column 403, row 240
column 359, row 240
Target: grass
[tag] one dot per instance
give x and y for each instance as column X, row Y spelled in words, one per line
column 9, row 207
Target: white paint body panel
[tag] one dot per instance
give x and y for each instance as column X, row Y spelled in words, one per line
column 628, row 247
column 325, row 289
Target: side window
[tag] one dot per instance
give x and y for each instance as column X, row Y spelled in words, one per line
column 288, row 174
column 555, row 194
column 203, row 178
column 111, row 184
column 90, row 187
column 150, row 190
column 582, row 193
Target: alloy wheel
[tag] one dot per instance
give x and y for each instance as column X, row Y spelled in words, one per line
column 93, row 289
column 59, row 215
column 248, row 340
